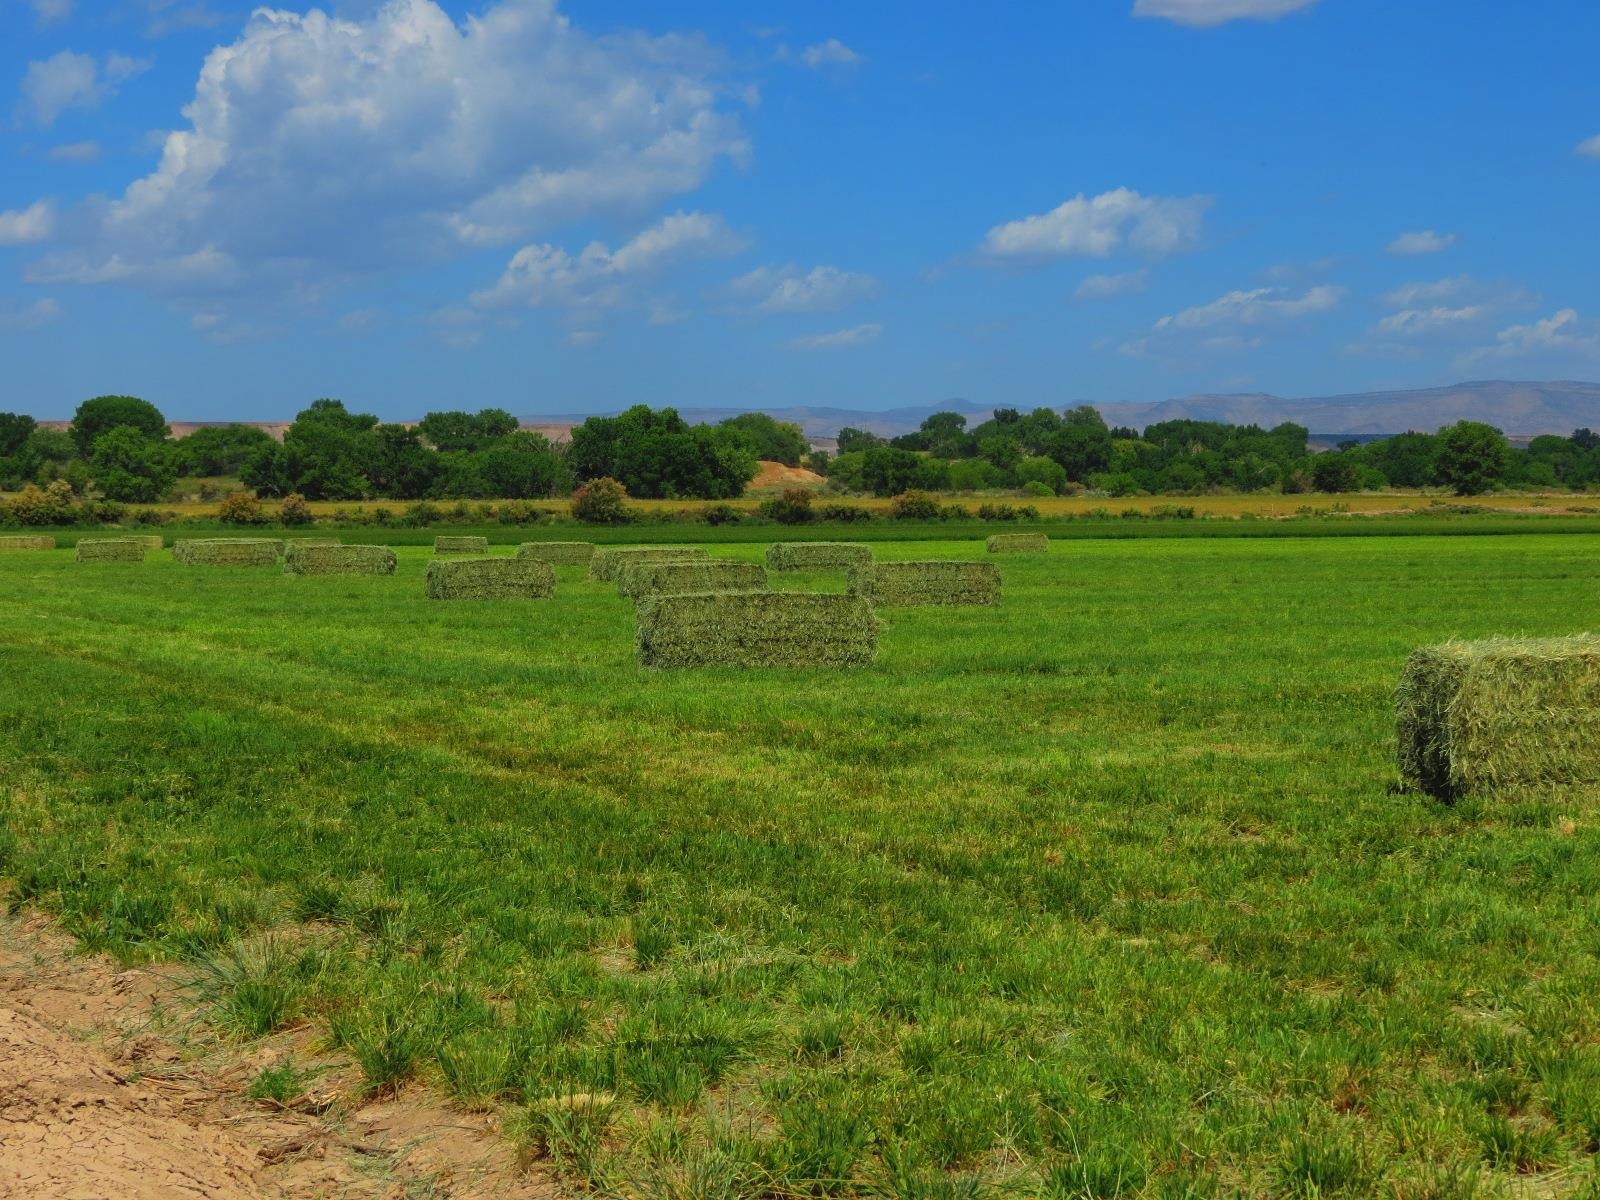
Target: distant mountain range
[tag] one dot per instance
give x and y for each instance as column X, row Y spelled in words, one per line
column 1521, row 410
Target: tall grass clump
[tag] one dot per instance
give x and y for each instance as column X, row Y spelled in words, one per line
column 27, row 543
column 109, row 550
column 901, row 584
column 608, row 561
column 755, row 629
column 491, row 579
column 461, row 545
column 1018, row 543
column 639, row 579
column 817, row 556
column 339, row 560
column 1473, row 716
column 558, row 554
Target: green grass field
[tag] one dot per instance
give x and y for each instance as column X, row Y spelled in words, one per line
column 1107, row 891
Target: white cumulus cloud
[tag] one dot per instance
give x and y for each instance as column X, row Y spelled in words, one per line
column 1097, row 226
column 1260, row 306
column 72, row 80
column 1563, row 334
column 19, row 226
column 1105, row 287
column 791, row 290
column 831, row 53
column 1202, row 13
column 1424, row 241
column 839, row 339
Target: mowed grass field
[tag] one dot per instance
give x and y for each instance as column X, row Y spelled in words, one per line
column 1107, row 891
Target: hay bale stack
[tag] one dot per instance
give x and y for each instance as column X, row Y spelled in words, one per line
column 901, row 584
column 110, row 550
column 312, row 541
column 1498, row 713
column 491, row 579
column 184, row 548
column 26, row 542
column 640, row 579
column 1018, row 543
column 221, row 553
column 608, row 560
column 461, row 545
column 817, row 556
column 339, row 560
column 755, row 629
column 558, row 554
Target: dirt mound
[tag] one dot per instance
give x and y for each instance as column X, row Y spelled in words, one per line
column 775, row 475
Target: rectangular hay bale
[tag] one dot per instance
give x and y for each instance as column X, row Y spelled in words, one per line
column 640, row 579
column 903, row 584
column 491, row 579
column 228, row 552
column 183, row 549
column 339, row 560
column 1504, row 712
column 608, row 560
column 28, row 542
column 558, row 554
column 755, row 629
column 461, row 545
column 1018, row 543
column 109, row 550
column 817, row 556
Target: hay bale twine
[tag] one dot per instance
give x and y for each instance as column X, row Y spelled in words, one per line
column 339, row 560
column 28, row 542
column 461, row 545
column 904, row 584
column 229, row 553
column 491, row 579
column 676, row 578
column 558, row 554
column 1018, row 543
column 817, row 556
column 608, row 560
column 1472, row 716
column 99, row 550
column 755, row 629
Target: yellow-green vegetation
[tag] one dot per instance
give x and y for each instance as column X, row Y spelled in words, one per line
column 1108, row 890
column 150, row 541
column 339, row 560
column 461, row 545
column 558, row 554
column 1018, row 543
column 901, row 584
column 109, row 550
column 637, row 579
column 27, row 542
column 817, row 556
column 755, row 629
column 491, row 579
column 608, row 561
column 227, row 552
column 1500, row 713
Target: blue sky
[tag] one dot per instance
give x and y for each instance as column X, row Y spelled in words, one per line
column 574, row 207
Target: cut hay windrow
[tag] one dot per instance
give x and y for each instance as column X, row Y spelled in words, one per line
column 339, row 560
column 640, row 579
column 558, row 554
column 27, row 543
column 183, row 548
column 461, row 545
column 1018, row 543
column 491, row 579
column 817, row 556
column 902, row 584
column 228, row 554
column 110, row 550
column 755, row 629
column 1473, row 716
column 608, row 560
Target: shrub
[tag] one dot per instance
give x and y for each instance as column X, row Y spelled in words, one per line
column 601, row 501
column 997, row 512
column 339, row 560
column 43, row 506
column 518, row 512
column 914, row 506
column 461, row 545
column 791, row 508
column 1018, row 543
column 816, row 556
column 720, row 514
column 1509, row 711
column 110, row 550
column 227, row 552
column 491, row 579
column 26, row 542
column 1035, row 487
column 955, row 512
column 151, row 516
column 241, row 508
column 422, row 514
column 640, row 579
column 899, row 584
column 608, row 560
column 755, row 629
column 293, row 511
column 558, row 554
column 846, row 514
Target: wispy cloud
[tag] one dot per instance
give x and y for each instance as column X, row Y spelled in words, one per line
column 20, row 320
column 1590, row 147
column 791, row 290
column 1095, row 227
column 839, row 339
column 76, row 152
column 1424, row 241
column 1563, row 335
column 72, row 80
column 1104, row 287
column 1203, row 13
column 831, row 53
column 20, row 226
column 51, row 12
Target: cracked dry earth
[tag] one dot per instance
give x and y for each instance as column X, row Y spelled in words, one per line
column 106, row 1091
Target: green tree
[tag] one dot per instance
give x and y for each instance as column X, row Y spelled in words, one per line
column 450, row 431
column 15, row 429
column 104, row 413
column 658, row 455
column 1473, row 457
column 523, row 466
column 852, row 440
column 400, row 466
column 775, row 441
column 130, row 467
column 219, row 449
column 1334, row 471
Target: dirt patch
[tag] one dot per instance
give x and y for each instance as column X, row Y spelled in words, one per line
column 108, row 1088
column 776, row 475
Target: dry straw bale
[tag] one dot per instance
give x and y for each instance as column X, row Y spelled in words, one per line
column 110, row 550
column 640, row 579
column 900, row 584
column 1018, row 543
column 339, row 560
column 558, row 554
column 1497, row 713
column 461, row 545
column 608, row 560
column 28, row 543
column 817, row 556
column 241, row 553
column 491, row 579
column 755, row 629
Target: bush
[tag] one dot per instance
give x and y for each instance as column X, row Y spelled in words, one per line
column 914, row 506
column 293, row 511
column 791, row 508
column 901, row 584
column 558, row 554
column 755, row 629
column 422, row 514
column 491, row 579
column 955, row 512
column 241, row 508
column 338, row 560
column 43, row 506
column 1035, row 487
column 151, row 516
column 601, row 501
column 518, row 512
column 816, row 556
column 846, row 514
column 720, row 514
column 998, row 512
